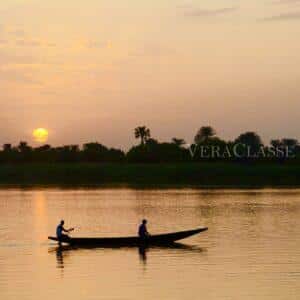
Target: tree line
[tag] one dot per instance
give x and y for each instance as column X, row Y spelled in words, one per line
column 150, row 150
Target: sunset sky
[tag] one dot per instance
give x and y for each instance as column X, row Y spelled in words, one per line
column 93, row 70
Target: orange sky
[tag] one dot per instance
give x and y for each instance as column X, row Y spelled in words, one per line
column 93, row 70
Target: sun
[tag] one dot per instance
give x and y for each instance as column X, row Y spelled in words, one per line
column 40, row 135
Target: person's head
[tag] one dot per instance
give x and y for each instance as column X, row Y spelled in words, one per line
column 62, row 222
column 144, row 221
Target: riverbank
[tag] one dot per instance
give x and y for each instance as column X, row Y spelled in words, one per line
column 194, row 174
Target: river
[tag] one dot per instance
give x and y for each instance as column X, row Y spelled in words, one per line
column 250, row 251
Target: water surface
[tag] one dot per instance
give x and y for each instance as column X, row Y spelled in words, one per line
column 251, row 250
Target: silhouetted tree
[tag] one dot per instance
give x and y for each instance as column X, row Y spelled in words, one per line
column 7, row 147
column 93, row 147
column 276, row 143
column 98, row 152
column 204, row 134
column 152, row 142
column 288, row 142
column 151, row 151
column 292, row 144
column 23, row 147
column 178, row 142
column 154, row 152
column 67, row 153
column 250, row 139
column 94, row 152
column 9, row 153
column 43, row 148
column 24, row 152
column 44, row 154
column 143, row 133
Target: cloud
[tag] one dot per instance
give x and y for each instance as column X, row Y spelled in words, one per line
column 209, row 12
column 283, row 17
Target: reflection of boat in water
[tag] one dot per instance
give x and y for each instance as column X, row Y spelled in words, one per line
column 143, row 250
column 63, row 251
column 158, row 239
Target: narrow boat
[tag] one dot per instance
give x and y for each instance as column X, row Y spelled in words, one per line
column 158, row 239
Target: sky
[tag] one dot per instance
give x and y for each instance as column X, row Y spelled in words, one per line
column 94, row 70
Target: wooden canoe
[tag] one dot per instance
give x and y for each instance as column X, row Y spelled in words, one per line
column 158, row 239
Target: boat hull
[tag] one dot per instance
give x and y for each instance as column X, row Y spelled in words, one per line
column 159, row 239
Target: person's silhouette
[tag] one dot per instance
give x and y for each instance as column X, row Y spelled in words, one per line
column 143, row 232
column 59, row 231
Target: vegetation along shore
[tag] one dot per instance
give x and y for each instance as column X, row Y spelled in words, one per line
column 210, row 174
column 209, row 161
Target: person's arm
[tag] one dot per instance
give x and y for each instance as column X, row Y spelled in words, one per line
column 67, row 230
column 147, row 232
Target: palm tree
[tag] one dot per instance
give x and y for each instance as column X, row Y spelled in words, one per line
column 178, row 142
column 204, row 134
column 143, row 133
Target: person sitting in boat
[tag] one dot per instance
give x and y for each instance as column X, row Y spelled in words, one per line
column 60, row 229
column 143, row 232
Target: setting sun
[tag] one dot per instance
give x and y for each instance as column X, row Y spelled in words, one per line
column 40, row 135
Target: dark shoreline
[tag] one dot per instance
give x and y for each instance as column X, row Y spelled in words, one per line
column 82, row 187
column 207, row 175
